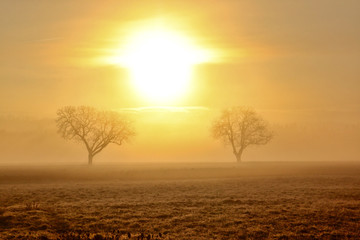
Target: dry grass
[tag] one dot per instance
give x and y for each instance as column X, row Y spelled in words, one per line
column 311, row 203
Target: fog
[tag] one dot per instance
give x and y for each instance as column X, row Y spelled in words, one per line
column 186, row 137
column 296, row 63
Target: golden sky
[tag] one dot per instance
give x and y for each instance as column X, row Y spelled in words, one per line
column 291, row 60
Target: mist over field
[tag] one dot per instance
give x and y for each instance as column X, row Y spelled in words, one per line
column 299, row 136
column 303, row 185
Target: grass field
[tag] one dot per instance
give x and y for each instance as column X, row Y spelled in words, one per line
column 181, row 201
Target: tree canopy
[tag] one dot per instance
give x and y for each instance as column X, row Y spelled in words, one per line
column 241, row 127
column 95, row 128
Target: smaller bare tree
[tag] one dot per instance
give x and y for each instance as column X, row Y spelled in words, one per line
column 96, row 129
column 241, row 127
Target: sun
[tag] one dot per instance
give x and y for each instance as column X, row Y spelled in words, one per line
column 160, row 62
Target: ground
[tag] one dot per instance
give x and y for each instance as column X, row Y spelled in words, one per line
column 181, row 201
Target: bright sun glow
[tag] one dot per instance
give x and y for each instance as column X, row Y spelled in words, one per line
column 160, row 63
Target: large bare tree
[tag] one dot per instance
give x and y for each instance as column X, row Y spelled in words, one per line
column 241, row 127
column 95, row 128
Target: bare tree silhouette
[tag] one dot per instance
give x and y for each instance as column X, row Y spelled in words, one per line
column 96, row 129
column 241, row 127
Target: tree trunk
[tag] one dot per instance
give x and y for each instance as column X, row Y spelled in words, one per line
column 90, row 159
column 238, row 156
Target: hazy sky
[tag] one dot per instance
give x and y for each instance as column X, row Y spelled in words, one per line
column 290, row 60
column 285, row 54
